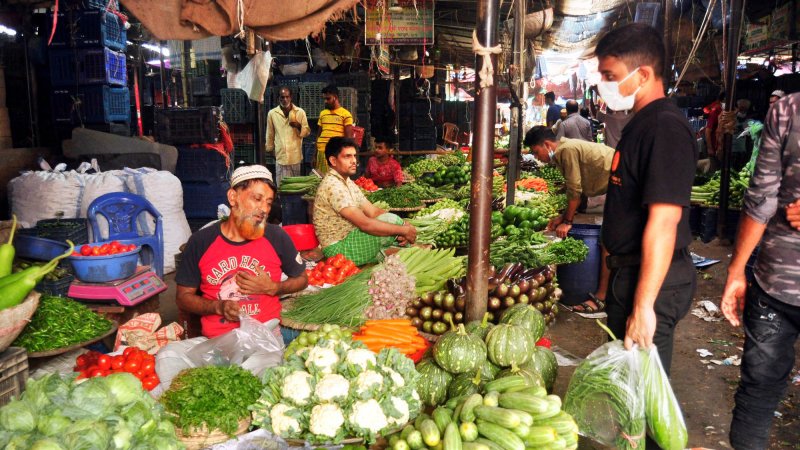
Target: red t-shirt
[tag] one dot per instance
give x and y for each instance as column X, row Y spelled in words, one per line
column 210, row 262
column 384, row 174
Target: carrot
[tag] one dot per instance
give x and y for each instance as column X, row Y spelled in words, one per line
column 389, row 336
column 411, row 331
column 376, row 340
column 387, row 321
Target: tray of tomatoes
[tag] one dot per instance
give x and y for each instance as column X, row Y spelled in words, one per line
column 366, row 184
column 331, row 271
column 104, row 249
column 137, row 362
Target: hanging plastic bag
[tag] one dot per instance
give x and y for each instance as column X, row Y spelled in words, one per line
column 605, row 397
column 255, row 76
column 252, row 339
column 665, row 423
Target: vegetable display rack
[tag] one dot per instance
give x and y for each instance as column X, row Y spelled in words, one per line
column 13, row 373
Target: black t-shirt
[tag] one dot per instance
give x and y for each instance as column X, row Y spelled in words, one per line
column 655, row 162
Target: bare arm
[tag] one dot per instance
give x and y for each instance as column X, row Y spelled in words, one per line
column 370, row 210
column 658, row 246
column 557, row 223
column 747, row 239
column 348, row 131
column 305, row 130
column 188, row 300
column 376, row 227
column 262, row 284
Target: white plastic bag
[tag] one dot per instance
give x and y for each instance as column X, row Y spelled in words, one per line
column 605, row 397
column 255, row 76
column 253, row 346
column 665, row 424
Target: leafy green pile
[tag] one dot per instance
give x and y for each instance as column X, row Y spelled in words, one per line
column 60, row 322
column 337, row 389
column 534, row 250
column 417, row 168
column 100, row 413
column 406, row 196
column 211, row 396
column 452, row 159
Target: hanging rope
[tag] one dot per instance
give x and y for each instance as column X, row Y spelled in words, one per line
column 240, row 17
column 486, row 73
column 696, row 44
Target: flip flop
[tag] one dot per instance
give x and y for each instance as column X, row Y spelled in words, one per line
column 587, row 311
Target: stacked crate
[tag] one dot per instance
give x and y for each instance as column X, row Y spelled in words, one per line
column 417, row 128
column 205, row 82
column 88, row 70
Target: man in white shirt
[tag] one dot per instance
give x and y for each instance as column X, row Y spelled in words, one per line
column 287, row 125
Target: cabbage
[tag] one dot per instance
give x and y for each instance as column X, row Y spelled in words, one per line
column 89, row 401
column 124, row 387
column 50, row 389
column 46, row 444
column 137, row 414
column 18, row 442
column 17, row 416
column 87, row 434
column 53, row 425
column 122, row 436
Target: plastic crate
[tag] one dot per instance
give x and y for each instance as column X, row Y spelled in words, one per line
column 244, row 154
column 87, row 104
column 294, row 209
column 348, row 98
column 89, row 66
column 317, row 77
column 76, row 230
column 648, row 13
column 92, row 28
column 310, row 98
column 200, row 200
column 206, row 85
column 13, row 373
column 204, row 100
column 363, row 120
column 236, row 106
column 187, row 125
column 358, row 80
column 59, row 287
column 201, row 165
column 241, row 134
column 290, row 81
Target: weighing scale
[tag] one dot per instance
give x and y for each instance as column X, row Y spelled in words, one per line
column 128, row 292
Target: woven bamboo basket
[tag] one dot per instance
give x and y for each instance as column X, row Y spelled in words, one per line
column 538, row 22
column 13, row 320
column 289, row 323
column 201, row 438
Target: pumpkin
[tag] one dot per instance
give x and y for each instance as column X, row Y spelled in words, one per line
column 525, row 316
column 509, row 344
column 480, row 328
column 459, row 352
column 433, row 382
column 466, row 384
column 543, row 361
column 488, row 370
column 533, row 377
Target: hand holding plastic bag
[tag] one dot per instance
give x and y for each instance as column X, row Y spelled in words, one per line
column 665, row 423
column 605, row 397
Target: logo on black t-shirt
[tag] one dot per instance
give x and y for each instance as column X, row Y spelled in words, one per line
column 615, row 178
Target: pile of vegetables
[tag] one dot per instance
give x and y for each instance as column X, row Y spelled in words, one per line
column 331, row 271
column 548, row 205
column 366, row 184
column 535, row 250
column 708, row 193
column 310, row 338
column 532, row 184
column 109, row 248
column 398, row 334
column 456, row 175
column 397, row 197
column 432, row 268
column 136, row 362
column 60, row 322
column 431, row 222
column 518, row 219
column 422, row 166
column 335, row 390
column 455, row 235
column 211, row 398
column 552, row 175
column 299, row 185
column 99, row 413
column 58, row 273
column 391, row 288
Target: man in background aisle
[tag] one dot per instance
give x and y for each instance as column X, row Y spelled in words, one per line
column 287, row 125
column 770, row 305
column 334, row 121
column 575, row 126
column 553, row 110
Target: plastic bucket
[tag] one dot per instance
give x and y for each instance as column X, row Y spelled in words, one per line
column 303, row 236
column 578, row 280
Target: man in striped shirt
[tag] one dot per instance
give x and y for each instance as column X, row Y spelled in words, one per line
column 333, row 121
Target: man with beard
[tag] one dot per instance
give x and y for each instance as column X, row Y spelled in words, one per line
column 345, row 221
column 234, row 267
column 333, row 121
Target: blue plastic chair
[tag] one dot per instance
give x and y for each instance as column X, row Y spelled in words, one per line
column 122, row 210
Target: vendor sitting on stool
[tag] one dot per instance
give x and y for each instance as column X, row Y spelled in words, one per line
column 236, row 264
column 345, row 221
column 382, row 168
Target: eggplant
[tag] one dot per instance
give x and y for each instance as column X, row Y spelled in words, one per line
column 539, row 278
column 501, row 290
column 549, row 273
column 417, row 303
column 449, row 302
column 541, row 293
column 458, row 317
column 425, row 313
column 492, row 271
column 489, row 316
column 417, row 322
column 428, row 298
column 452, row 286
column 515, row 272
column 539, row 306
column 554, row 310
column 461, row 303
column 508, row 302
column 412, row 312
column 439, row 328
column 436, row 314
column 530, row 273
column 494, row 303
column 524, row 286
column 550, row 288
column 437, row 299
column 503, row 275
column 547, row 305
column 427, row 326
column 460, row 290
column 514, row 291
column 547, row 319
column 524, row 299
column 447, row 317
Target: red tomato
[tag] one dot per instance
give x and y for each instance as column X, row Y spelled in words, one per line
column 115, row 244
column 128, row 351
column 113, row 250
column 80, row 361
column 96, row 373
column 81, row 376
column 86, row 250
column 104, row 249
column 131, row 366
column 149, row 382
column 104, row 362
column 135, row 356
column 131, row 248
column 139, row 374
column 96, row 251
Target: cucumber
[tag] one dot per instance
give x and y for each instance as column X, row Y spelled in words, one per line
column 571, row 438
column 524, row 402
column 468, row 431
column 538, row 391
column 540, row 435
column 474, row 446
column 500, row 416
column 562, row 422
column 551, row 411
column 554, row 399
column 500, row 436
column 524, row 417
column 491, row 398
column 400, row 445
column 415, row 440
column 420, row 418
column 457, row 411
column 521, row 430
column 453, row 402
column 406, row 431
column 442, row 416
column 430, row 433
column 488, row 443
column 558, row 444
column 468, row 410
column 393, row 439
column 452, row 438
column 438, row 446
column 504, row 384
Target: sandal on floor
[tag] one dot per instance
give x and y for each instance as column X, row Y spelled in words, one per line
column 587, row 311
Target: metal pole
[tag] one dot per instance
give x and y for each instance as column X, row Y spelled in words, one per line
column 480, row 207
column 186, row 63
column 734, row 30
column 161, row 45
column 517, row 110
column 669, row 47
column 396, row 77
column 261, row 139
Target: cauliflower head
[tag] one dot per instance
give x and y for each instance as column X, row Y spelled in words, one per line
column 367, row 381
column 297, row 387
column 322, row 358
column 283, row 424
column 326, row 420
column 397, row 411
column 361, row 357
column 332, row 387
column 368, row 416
column 396, row 378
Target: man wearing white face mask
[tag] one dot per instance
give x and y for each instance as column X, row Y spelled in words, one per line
column 646, row 226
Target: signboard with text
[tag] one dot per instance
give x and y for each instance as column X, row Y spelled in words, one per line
column 411, row 25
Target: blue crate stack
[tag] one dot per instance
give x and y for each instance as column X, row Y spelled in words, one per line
column 88, row 70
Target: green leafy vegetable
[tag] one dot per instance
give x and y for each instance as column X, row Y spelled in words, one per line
column 60, row 322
